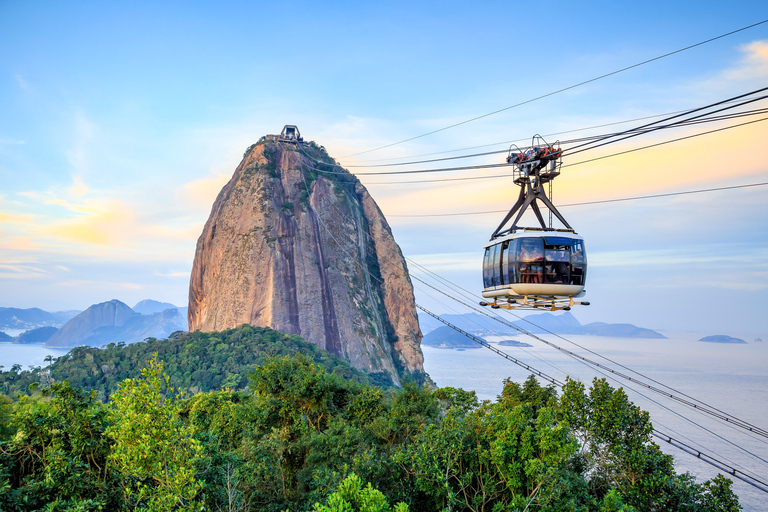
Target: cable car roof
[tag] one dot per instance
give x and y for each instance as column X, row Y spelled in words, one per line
column 536, row 233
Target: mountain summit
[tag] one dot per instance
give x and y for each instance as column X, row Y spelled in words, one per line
column 297, row 244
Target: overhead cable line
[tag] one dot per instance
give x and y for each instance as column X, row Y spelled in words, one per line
column 635, row 198
column 597, row 138
column 703, row 408
column 521, row 139
column 593, row 138
column 611, row 139
column 560, row 90
column 490, row 166
column 564, row 165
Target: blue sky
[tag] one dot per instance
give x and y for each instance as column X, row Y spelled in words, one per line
column 121, row 122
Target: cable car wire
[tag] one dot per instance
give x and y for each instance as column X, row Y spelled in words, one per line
column 704, row 408
column 564, row 165
column 641, row 130
column 654, row 126
column 489, row 166
column 635, row 198
column 560, row 90
column 523, row 139
column 594, row 138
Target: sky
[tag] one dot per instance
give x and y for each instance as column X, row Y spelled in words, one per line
column 120, row 123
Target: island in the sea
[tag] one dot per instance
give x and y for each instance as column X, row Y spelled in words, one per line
column 722, row 338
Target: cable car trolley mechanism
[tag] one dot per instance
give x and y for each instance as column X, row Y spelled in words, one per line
column 534, row 267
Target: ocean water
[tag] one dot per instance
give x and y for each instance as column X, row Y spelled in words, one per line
column 730, row 377
column 28, row 354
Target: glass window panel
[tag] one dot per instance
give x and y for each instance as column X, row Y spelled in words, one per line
column 486, row 268
column 577, row 252
column 531, row 249
column 505, row 263
column 514, row 248
column 557, row 240
column 558, row 255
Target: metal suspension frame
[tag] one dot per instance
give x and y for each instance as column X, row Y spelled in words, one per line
column 531, row 175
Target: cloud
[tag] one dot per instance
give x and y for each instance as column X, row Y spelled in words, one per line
column 100, row 285
column 17, row 271
column 10, row 142
column 173, row 274
column 447, row 261
column 709, row 254
column 20, row 81
column 202, row 192
column 753, row 63
column 83, row 130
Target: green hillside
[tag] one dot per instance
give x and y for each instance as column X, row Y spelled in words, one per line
column 195, row 362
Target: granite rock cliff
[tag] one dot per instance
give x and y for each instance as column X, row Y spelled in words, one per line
column 306, row 252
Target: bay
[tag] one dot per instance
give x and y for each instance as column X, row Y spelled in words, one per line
column 26, row 354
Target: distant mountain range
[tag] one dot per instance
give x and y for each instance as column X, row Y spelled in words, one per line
column 541, row 323
column 100, row 324
column 15, row 319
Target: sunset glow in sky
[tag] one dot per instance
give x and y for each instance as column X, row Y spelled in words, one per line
column 119, row 124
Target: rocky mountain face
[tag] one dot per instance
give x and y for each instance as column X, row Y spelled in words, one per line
column 309, row 253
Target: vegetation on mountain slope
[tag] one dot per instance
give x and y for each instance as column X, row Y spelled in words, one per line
column 194, row 362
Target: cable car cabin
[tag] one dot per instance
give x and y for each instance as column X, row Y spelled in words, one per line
column 535, row 269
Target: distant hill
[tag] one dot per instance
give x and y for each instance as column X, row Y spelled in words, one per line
column 150, row 307
column 113, row 322
column 541, row 323
column 195, row 362
column 474, row 323
column 514, row 343
column 32, row 318
column 620, row 331
column 445, row 337
column 39, row 335
column 721, row 338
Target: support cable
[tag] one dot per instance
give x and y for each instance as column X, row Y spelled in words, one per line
column 690, row 403
column 560, row 90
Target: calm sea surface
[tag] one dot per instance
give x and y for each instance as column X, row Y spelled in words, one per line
column 732, row 378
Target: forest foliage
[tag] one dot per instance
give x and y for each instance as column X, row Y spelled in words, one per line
column 300, row 437
column 195, row 362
